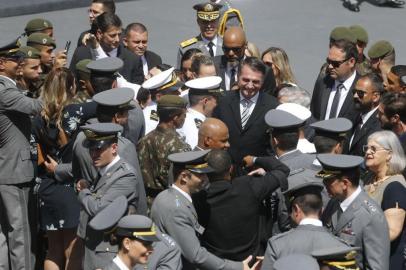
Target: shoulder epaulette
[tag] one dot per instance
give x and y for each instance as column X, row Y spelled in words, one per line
column 188, row 42
column 154, row 115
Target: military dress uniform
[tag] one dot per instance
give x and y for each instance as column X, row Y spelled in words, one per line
column 173, row 213
column 206, row 12
column 308, row 236
column 154, row 148
column 17, row 168
column 116, row 179
column 362, row 223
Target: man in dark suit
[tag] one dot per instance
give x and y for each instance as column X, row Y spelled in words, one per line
column 136, row 40
column 240, row 199
column 332, row 95
column 106, row 43
column 243, row 112
column 367, row 94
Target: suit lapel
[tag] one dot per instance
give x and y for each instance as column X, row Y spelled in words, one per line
column 325, row 95
column 106, row 178
column 223, row 69
column 184, row 201
column 258, row 109
column 365, row 129
column 219, row 46
column 349, row 100
column 349, row 214
column 235, row 108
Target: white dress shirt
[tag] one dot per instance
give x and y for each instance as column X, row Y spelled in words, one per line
column 120, row 263
column 364, row 118
column 343, row 95
column 190, row 131
column 227, row 75
column 253, row 102
column 104, row 169
column 144, row 65
column 347, row 202
column 214, row 41
column 187, row 196
column 311, row 221
column 305, row 146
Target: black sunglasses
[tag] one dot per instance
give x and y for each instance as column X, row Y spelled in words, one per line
column 359, row 93
column 336, row 64
column 236, row 50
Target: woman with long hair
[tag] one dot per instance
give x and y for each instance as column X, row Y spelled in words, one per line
column 59, row 207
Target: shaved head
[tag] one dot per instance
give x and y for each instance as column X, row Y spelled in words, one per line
column 213, row 134
column 234, row 43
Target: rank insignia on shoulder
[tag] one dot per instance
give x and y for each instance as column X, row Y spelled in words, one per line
column 188, row 42
column 154, row 116
column 370, row 206
column 198, row 122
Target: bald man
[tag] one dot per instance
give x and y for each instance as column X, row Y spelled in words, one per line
column 234, row 44
column 213, row 134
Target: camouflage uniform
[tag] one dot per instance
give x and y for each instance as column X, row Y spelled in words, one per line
column 153, row 151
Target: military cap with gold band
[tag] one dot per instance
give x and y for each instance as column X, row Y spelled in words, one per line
column 194, row 161
column 119, row 98
column 205, row 86
column 11, row 50
column 208, row 11
column 138, row 227
column 30, row 52
column 338, row 257
column 335, row 165
column 40, row 39
column 165, row 82
column 99, row 135
column 36, row 25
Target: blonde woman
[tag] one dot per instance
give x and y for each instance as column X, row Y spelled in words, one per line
column 59, row 207
column 277, row 59
column 384, row 156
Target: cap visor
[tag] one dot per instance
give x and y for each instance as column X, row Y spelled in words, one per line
column 150, row 238
column 202, row 170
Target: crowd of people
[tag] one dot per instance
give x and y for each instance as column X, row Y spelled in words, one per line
column 119, row 161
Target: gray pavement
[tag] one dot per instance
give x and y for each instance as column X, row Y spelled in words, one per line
column 301, row 27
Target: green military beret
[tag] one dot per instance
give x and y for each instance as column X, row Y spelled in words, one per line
column 380, row 49
column 36, row 25
column 30, row 52
column 172, row 101
column 342, row 33
column 360, row 33
column 81, row 68
column 40, row 39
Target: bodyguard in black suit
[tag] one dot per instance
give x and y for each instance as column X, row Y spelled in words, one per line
column 367, row 94
column 243, row 112
column 240, row 200
column 103, row 44
column 340, row 79
column 136, row 40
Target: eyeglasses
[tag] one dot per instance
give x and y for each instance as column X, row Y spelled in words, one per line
column 336, row 64
column 236, row 50
column 373, row 149
column 359, row 93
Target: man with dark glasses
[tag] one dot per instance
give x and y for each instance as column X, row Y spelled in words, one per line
column 332, row 95
column 17, row 166
column 367, row 94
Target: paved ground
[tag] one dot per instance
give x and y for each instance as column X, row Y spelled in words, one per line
column 301, row 27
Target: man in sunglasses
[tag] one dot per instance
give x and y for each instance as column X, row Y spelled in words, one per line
column 17, row 166
column 367, row 94
column 234, row 45
column 332, row 94
column 208, row 41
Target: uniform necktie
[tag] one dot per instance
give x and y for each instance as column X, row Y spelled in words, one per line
column 336, row 101
column 232, row 77
column 211, row 44
column 245, row 115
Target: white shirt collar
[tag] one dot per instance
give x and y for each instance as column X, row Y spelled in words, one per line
column 120, row 263
column 348, row 82
column 291, row 151
column 187, row 196
column 316, row 162
column 311, row 221
column 206, row 41
column 254, row 99
column 366, row 116
column 103, row 170
column 197, row 114
column 11, row 80
column 347, row 202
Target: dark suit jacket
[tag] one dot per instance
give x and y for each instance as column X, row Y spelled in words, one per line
column 240, row 200
column 321, row 94
column 131, row 70
column 152, row 59
column 254, row 138
column 220, row 63
column 372, row 125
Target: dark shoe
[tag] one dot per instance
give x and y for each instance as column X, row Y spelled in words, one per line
column 354, row 7
column 394, row 3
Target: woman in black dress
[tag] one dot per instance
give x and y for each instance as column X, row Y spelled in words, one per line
column 55, row 130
